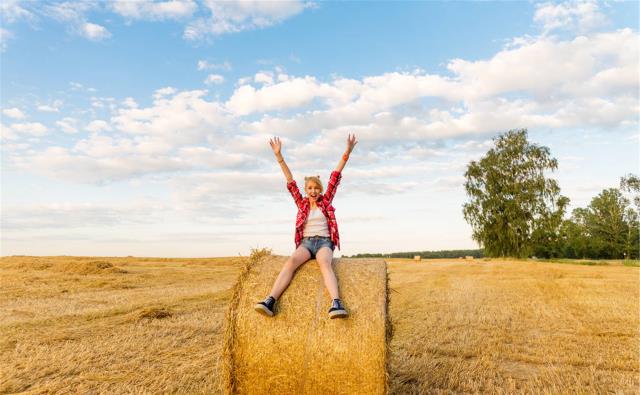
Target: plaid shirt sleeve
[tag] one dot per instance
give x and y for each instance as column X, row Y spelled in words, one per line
column 334, row 180
column 295, row 192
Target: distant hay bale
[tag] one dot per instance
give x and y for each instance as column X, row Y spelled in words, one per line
column 89, row 267
column 155, row 313
column 301, row 350
column 417, row 258
column 469, row 257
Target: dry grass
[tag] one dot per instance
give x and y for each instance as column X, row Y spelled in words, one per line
column 154, row 329
column 459, row 326
column 504, row 327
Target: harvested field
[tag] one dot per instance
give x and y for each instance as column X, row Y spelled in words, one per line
column 155, row 325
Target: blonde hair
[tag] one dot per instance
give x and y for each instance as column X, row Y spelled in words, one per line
column 315, row 179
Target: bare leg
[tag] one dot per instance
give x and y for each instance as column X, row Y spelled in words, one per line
column 324, row 256
column 299, row 256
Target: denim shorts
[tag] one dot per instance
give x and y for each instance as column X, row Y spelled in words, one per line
column 314, row 243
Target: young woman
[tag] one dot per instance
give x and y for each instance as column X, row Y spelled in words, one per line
column 316, row 231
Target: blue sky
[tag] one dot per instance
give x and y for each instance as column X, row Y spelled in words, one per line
column 141, row 128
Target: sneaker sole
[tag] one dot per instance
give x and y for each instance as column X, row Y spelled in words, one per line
column 338, row 314
column 263, row 310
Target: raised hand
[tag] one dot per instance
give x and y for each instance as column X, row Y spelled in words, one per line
column 351, row 142
column 276, row 145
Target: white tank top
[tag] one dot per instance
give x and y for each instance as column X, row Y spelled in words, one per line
column 316, row 224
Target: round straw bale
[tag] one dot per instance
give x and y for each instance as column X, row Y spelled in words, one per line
column 301, row 350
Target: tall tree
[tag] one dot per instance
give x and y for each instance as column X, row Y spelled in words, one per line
column 512, row 204
column 608, row 224
column 631, row 184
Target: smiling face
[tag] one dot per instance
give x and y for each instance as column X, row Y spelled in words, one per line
column 313, row 190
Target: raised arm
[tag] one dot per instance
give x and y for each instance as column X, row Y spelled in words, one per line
column 351, row 142
column 336, row 175
column 276, row 145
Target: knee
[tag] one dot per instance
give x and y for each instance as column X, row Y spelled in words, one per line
column 289, row 265
column 292, row 264
column 325, row 264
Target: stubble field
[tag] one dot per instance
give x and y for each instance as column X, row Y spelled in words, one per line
column 154, row 325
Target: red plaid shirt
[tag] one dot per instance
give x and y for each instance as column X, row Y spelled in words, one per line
column 323, row 202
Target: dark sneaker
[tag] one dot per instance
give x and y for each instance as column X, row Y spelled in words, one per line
column 337, row 309
column 266, row 307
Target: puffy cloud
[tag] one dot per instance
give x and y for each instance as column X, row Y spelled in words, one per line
column 206, row 65
column 14, row 113
column 97, row 126
column 185, row 118
column 233, row 17
column 80, row 215
column 60, row 163
column 74, row 15
column 288, row 94
column 101, row 146
column 54, row 107
column 12, row 11
column 5, row 36
column 167, row 91
column 6, row 134
column 582, row 16
column 94, row 31
column 130, row 102
column 214, row 79
column 76, row 86
column 586, row 82
column 154, row 10
column 264, row 78
column 32, row 128
column 68, row 125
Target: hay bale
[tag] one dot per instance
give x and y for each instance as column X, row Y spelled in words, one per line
column 417, row 258
column 155, row 313
column 301, row 350
column 89, row 267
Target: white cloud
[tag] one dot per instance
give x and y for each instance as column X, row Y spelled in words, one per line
column 94, row 31
column 76, row 86
column 97, row 126
column 264, row 78
column 6, row 134
column 12, row 11
column 214, row 79
column 59, row 163
column 130, row 102
column 287, row 94
column 5, row 36
column 101, row 102
column 68, row 125
column 32, row 128
column 68, row 215
column 103, row 146
column 157, row 10
column 14, row 113
column 205, row 65
column 185, row 118
column 586, row 82
column 167, row 91
column 233, row 17
column 74, row 15
column 582, row 16
column 54, row 107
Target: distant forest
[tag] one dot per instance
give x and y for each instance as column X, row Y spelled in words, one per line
column 425, row 254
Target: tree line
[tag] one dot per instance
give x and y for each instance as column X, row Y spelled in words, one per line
column 425, row 254
column 516, row 210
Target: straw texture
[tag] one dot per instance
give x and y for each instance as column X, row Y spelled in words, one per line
column 301, row 350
